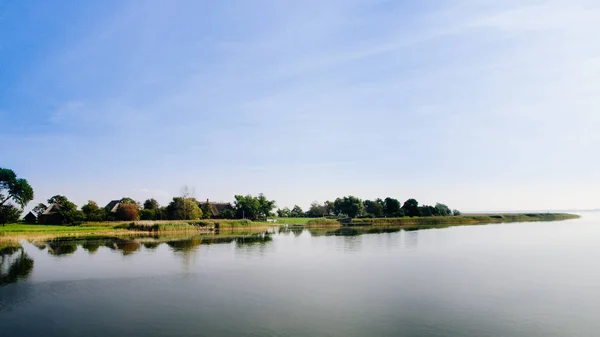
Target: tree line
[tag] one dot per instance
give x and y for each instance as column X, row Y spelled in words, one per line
column 16, row 193
column 179, row 208
column 353, row 207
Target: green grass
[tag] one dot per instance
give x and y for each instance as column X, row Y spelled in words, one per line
column 322, row 222
column 51, row 229
column 463, row 219
column 13, row 230
column 294, row 221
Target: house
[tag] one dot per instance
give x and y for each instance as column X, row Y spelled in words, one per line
column 51, row 216
column 113, row 206
column 216, row 208
column 31, row 217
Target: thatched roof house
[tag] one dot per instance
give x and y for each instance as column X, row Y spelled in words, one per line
column 113, row 206
column 216, row 208
column 31, row 217
column 51, row 216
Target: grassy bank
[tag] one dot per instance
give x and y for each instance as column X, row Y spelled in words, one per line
column 463, row 219
column 132, row 227
column 204, row 226
column 442, row 220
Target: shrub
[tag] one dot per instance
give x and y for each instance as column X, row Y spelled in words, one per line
column 127, row 212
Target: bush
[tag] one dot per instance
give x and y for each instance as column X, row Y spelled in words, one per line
column 127, row 212
column 147, row 214
column 9, row 214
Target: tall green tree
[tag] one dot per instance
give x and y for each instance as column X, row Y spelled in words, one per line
column 184, row 209
column 442, row 210
column 373, row 208
column 427, row 210
column 329, row 207
column 284, row 212
column 266, row 206
column 12, row 188
column 66, row 208
column 411, row 207
column 206, row 208
column 316, row 210
column 392, row 208
column 39, row 209
column 151, row 204
column 92, row 211
column 297, row 212
column 246, row 206
column 9, row 214
column 350, row 206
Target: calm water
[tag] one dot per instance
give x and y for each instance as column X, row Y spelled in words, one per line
column 521, row 279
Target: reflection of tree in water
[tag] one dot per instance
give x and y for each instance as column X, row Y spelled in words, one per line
column 91, row 245
column 67, row 246
column 127, row 247
column 186, row 245
column 61, row 247
column 151, row 244
column 15, row 265
column 258, row 239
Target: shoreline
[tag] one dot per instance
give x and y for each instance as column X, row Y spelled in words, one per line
column 14, row 232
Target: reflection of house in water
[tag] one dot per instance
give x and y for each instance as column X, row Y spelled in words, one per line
column 51, row 216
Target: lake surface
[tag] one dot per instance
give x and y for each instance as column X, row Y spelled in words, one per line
column 518, row 279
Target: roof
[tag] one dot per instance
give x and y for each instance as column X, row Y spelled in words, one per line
column 31, row 214
column 113, row 205
column 52, row 209
column 216, row 207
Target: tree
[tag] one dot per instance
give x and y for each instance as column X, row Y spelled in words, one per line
column 39, row 209
column 92, row 211
column 351, row 206
column 151, row 204
column 456, row 212
column 427, row 210
column 442, row 210
column 265, row 206
column 127, row 211
column 329, row 207
column 411, row 207
column 12, row 188
column 206, row 208
column 247, row 206
column 66, row 208
column 148, row 214
column 284, row 213
column 297, row 212
column 128, row 200
column 9, row 214
column 392, row 208
column 14, row 267
column 183, row 209
column 316, row 210
column 373, row 208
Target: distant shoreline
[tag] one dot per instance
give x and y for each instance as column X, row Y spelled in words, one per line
column 211, row 227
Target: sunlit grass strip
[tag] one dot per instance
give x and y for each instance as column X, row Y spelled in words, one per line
column 463, row 219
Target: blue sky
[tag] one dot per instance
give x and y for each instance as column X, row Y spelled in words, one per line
column 482, row 105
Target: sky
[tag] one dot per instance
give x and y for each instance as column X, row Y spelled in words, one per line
column 480, row 104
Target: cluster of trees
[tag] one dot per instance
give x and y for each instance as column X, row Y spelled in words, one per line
column 185, row 207
column 15, row 194
column 354, row 207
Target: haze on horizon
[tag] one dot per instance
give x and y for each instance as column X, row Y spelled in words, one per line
column 481, row 105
